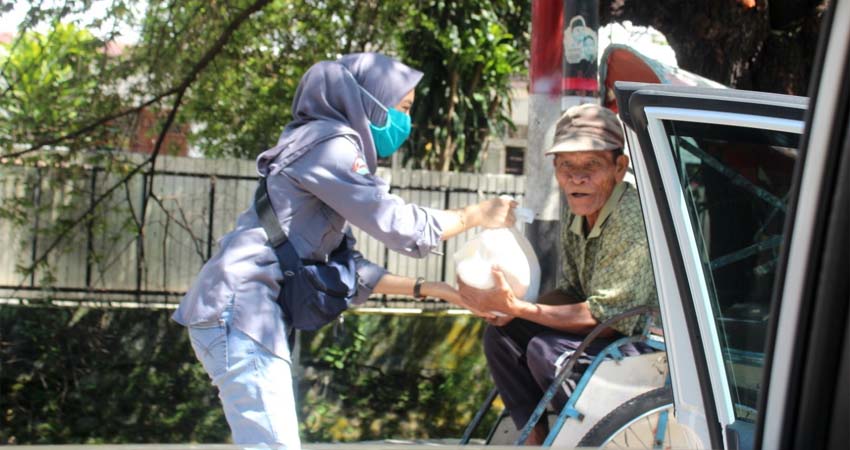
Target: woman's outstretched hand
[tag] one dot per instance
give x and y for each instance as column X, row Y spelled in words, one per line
column 494, row 213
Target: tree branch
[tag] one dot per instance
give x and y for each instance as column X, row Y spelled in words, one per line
column 182, row 222
column 180, row 90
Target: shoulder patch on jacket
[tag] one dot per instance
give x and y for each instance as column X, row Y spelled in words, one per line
column 359, row 166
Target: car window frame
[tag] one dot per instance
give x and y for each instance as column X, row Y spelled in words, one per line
column 687, row 235
column 678, row 303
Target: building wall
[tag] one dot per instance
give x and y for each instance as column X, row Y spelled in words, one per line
column 506, row 152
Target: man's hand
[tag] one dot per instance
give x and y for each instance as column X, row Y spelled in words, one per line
column 499, row 299
column 444, row 291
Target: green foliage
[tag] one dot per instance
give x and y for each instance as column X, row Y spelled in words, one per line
column 245, row 101
column 52, row 84
column 54, row 81
column 87, row 376
column 64, row 81
column 392, row 377
column 468, row 50
column 99, row 376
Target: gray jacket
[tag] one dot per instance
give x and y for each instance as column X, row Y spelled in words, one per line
column 315, row 195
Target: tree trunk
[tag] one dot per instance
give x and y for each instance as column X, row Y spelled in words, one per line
column 757, row 45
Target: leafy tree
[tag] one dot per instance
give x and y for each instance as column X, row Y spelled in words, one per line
column 244, row 103
column 145, row 77
column 54, row 81
column 469, row 50
column 240, row 99
column 746, row 44
column 51, row 83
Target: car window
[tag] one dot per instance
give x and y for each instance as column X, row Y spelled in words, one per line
column 735, row 182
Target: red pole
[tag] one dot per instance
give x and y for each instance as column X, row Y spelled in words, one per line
column 547, row 25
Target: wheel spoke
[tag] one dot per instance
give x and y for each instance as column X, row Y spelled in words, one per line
column 637, row 436
column 636, row 424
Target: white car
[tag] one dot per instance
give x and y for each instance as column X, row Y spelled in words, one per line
column 746, row 197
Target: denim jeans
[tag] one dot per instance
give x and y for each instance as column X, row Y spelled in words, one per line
column 254, row 385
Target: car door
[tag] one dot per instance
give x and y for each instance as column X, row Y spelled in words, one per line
column 806, row 398
column 714, row 168
column 746, row 198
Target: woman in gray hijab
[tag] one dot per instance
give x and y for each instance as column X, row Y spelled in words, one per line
column 320, row 177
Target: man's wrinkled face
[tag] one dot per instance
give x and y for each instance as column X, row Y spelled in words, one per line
column 588, row 178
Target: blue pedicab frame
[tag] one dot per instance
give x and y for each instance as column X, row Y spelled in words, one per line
column 569, row 410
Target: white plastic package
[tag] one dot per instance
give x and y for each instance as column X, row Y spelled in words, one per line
column 506, row 248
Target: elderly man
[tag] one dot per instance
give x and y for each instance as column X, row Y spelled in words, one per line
column 606, row 270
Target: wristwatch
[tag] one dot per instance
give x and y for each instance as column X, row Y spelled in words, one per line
column 417, row 288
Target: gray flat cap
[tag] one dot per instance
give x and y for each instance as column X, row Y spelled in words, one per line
column 587, row 127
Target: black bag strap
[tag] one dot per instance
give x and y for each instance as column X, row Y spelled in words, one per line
column 286, row 254
column 268, row 219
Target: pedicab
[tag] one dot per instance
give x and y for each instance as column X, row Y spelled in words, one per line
column 627, row 402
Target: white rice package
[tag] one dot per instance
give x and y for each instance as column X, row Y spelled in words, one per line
column 506, row 248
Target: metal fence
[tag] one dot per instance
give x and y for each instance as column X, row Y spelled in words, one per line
column 192, row 203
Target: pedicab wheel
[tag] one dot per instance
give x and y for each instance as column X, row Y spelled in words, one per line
column 634, row 424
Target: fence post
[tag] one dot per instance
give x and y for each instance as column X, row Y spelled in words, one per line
column 211, row 217
column 89, row 231
column 37, row 203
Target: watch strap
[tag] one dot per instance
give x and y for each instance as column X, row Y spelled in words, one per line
column 417, row 288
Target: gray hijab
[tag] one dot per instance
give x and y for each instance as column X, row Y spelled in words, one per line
column 329, row 103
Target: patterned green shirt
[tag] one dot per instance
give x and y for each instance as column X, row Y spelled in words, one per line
column 610, row 267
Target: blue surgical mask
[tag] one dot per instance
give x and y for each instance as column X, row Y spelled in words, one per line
column 389, row 137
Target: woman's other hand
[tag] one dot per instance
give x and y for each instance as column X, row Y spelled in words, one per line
column 499, row 320
column 448, row 293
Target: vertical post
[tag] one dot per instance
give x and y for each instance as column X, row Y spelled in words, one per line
column 211, row 218
column 544, row 107
column 36, row 224
column 564, row 48
column 140, row 240
column 89, row 226
column 444, row 260
column 581, row 49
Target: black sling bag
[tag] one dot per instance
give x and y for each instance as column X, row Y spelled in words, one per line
column 312, row 293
